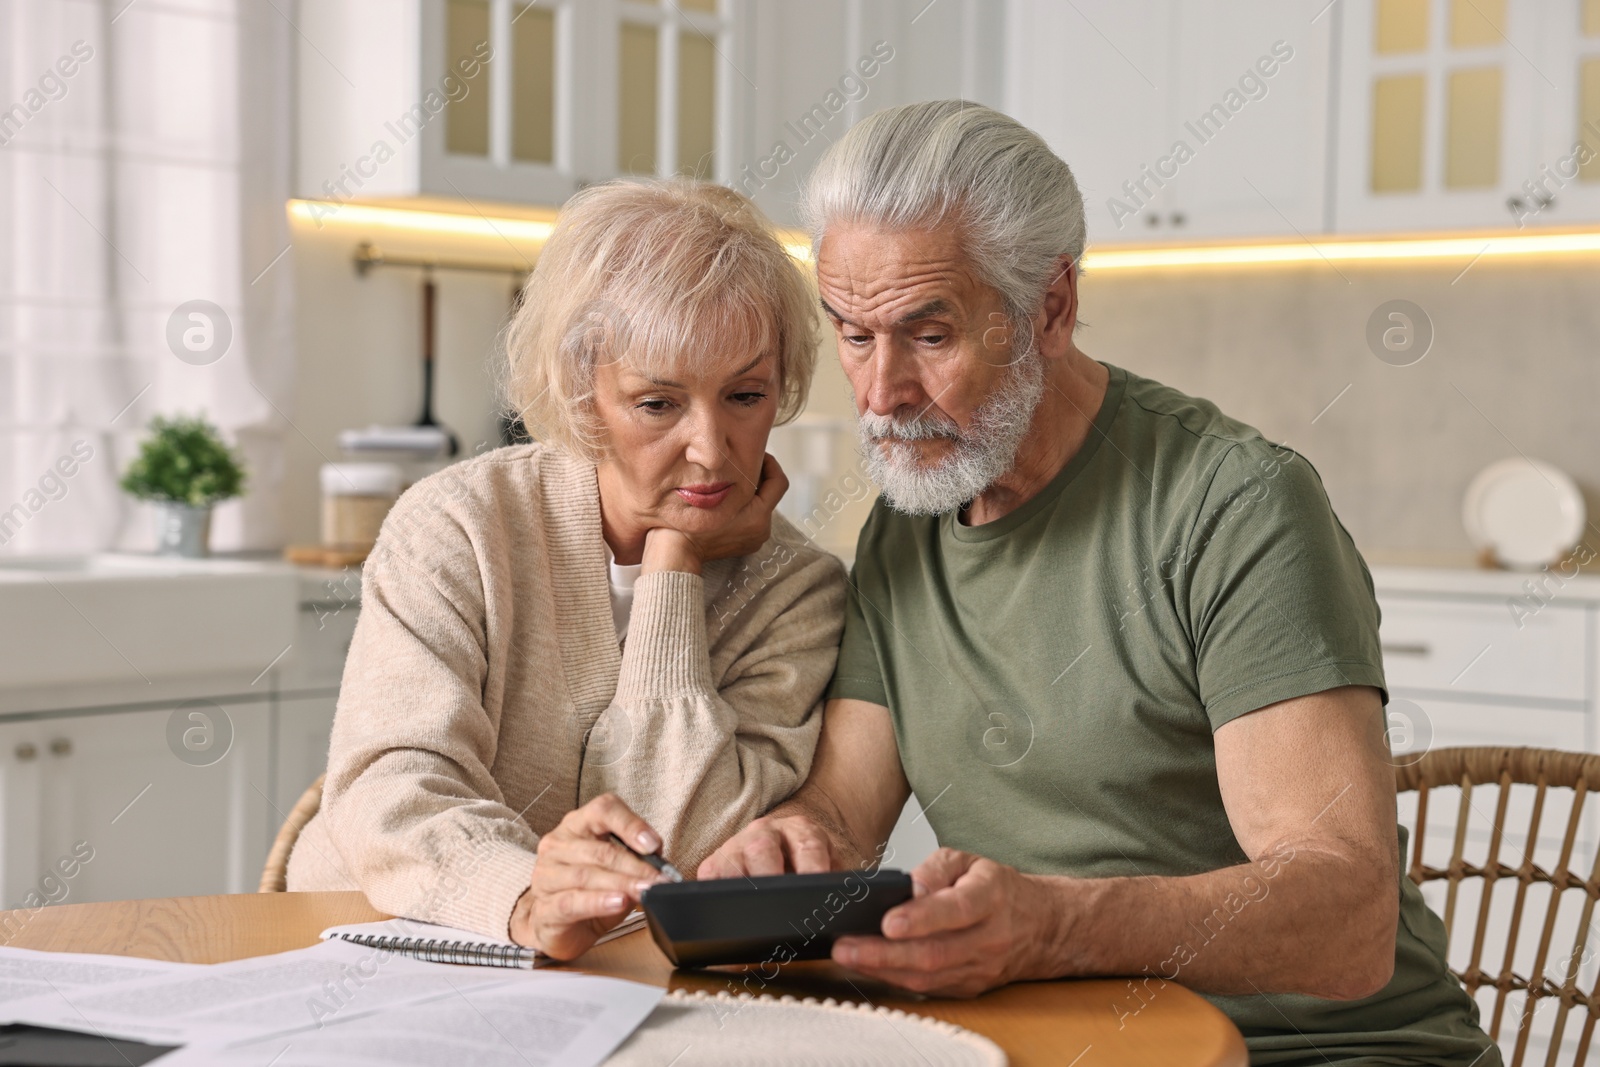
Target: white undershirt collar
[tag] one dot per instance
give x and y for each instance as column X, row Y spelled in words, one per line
column 622, row 582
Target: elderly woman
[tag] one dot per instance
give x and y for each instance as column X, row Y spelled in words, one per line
column 607, row 632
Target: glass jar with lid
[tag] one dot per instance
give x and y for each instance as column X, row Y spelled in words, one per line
column 355, row 499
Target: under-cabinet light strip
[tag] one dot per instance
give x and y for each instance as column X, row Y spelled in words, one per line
column 1373, row 250
column 320, row 213
column 1463, row 247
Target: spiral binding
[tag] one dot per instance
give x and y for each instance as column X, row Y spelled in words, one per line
column 433, row 950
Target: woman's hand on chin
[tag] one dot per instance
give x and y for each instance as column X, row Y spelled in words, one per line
column 668, row 549
column 584, row 883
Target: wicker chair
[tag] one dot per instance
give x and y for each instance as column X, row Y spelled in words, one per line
column 1555, row 971
column 275, row 875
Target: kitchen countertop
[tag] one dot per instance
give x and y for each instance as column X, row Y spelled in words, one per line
column 324, row 586
column 1480, row 582
column 117, row 631
column 319, row 586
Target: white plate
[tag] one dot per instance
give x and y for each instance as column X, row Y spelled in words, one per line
column 1526, row 512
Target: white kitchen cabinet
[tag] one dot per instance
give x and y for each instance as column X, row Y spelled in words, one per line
column 181, row 793
column 112, row 786
column 1445, row 645
column 579, row 91
column 815, row 69
column 1390, row 115
column 21, row 776
column 155, row 823
column 307, row 684
column 1484, row 658
column 304, row 725
column 1093, row 79
column 1179, row 118
column 514, row 101
column 1251, row 81
column 1448, row 106
column 1562, row 186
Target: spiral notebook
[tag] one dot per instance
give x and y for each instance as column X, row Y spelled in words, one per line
column 446, row 944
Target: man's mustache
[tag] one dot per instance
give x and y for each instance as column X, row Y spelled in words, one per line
column 926, row 426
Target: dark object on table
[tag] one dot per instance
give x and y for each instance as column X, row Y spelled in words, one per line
column 772, row 919
column 38, row 1046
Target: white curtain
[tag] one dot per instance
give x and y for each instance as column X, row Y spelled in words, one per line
column 145, row 152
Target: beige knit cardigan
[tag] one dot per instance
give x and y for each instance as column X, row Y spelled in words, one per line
column 485, row 694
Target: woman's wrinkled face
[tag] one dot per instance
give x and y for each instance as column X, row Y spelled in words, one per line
column 684, row 449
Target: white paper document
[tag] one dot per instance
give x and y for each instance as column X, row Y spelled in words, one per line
column 250, row 998
column 25, row 973
column 524, row 1020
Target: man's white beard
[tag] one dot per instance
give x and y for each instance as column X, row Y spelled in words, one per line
column 977, row 457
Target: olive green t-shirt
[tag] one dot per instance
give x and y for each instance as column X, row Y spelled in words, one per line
column 1056, row 676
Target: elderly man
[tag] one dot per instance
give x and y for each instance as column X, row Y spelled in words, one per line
column 1117, row 644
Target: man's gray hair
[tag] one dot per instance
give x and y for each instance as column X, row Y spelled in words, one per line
column 953, row 161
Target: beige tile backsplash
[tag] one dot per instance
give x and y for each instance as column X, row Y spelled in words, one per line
column 1514, row 367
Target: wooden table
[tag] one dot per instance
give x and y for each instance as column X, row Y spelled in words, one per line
column 1057, row 1023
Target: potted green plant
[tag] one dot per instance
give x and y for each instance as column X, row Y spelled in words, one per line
column 184, row 467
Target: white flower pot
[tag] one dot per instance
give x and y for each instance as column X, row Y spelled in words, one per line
column 182, row 530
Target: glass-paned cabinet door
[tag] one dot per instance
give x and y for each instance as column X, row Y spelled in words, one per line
column 466, row 112
column 1437, row 103
column 697, row 106
column 533, row 85
column 638, row 107
column 502, row 76
column 532, row 99
column 1562, row 187
column 672, row 95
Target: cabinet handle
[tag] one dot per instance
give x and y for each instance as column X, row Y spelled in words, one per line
column 1416, row 648
column 27, row 751
column 61, row 746
column 1178, row 218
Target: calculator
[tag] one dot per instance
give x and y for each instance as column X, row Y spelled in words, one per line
column 769, row 919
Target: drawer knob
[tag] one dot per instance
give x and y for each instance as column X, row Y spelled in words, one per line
column 27, row 751
column 61, row 746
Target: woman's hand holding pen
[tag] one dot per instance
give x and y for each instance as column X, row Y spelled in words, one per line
column 584, row 883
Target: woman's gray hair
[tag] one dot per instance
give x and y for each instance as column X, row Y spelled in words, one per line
column 922, row 165
column 657, row 274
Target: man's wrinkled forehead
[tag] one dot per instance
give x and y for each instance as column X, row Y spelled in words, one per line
column 886, row 278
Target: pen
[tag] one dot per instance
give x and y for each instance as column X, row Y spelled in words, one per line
column 652, row 859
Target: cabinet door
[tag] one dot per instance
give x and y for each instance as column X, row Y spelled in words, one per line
column 805, row 57
column 173, row 802
column 1562, row 188
column 1094, row 80
column 21, row 766
column 573, row 92
column 1251, row 81
column 1479, row 648
column 323, row 631
column 303, row 728
column 515, row 92
column 1437, row 110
